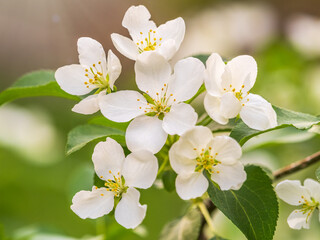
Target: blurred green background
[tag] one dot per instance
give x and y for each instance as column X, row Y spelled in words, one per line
column 37, row 181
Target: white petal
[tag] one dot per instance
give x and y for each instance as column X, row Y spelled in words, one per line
column 228, row 149
column 72, row 79
column 108, row 156
column 140, row 169
column 146, row 133
column 187, row 79
column 291, row 192
column 313, row 187
column 230, row 106
column 214, row 71
column 129, row 212
column 212, row 107
column 182, row 157
column 122, row 106
column 92, row 204
column 173, row 29
column 298, row 220
column 167, row 49
column 238, row 70
column 199, row 137
column 136, row 18
column 125, row 46
column 91, row 52
column 192, row 185
column 114, row 68
column 152, row 73
column 257, row 113
column 181, row 118
column 229, row 176
column 89, row 105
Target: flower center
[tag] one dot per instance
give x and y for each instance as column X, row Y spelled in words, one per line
column 96, row 77
column 116, row 185
column 240, row 94
column 148, row 42
column 206, row 160
column 308, row 206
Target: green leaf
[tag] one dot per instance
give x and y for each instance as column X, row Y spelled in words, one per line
column 101, row 120
column 83, row 134
column 318, row 173
column 286, row 118
column 217, row 238
column 184, row 228
column 253, row 208
column 168, row 179
column 97, row 181
column 34, row 84
column 202, row 57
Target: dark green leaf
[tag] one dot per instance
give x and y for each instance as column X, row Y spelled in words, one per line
column 286, row 118
column 83, row 134
column 34, row 84
column 168, row 179
column 184, row 228
column 253, row 208
column 202, row 57
column 318, row 173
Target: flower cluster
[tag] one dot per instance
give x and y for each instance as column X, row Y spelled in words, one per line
column 159, row 110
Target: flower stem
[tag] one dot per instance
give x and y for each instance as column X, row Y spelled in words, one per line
column 163, row 165
column 201, row 90
column 206, row 216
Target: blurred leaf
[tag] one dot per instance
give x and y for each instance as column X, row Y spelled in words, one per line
column 286, row 118
column 34, row 84
column 101, row 120
column 83, row 134
column 168, row 179
column 217, row 238
column 202, row 57
column 318, row 173
column 253, row 208
column 97, row 181
column 184, row 228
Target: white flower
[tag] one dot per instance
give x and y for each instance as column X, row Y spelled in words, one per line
column 163, row 111
column 93, row 72
column 121, row 175
column 197, row 151
column 307, row 197
column 228, row 94
column 146, row 36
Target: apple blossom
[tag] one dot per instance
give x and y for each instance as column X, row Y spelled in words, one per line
column 160, row 111
column 146, row 36
column 197, row 151
column 121, row 175
column 93, row 72
column 228, row 94
column 307, row 197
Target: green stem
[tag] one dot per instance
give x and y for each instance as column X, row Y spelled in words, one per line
column 201, row 90
column 206, row 215
column 205, row 121
column 163, row 165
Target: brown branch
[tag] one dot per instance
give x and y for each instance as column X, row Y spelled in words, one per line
column 296, row 166
column 291, row 168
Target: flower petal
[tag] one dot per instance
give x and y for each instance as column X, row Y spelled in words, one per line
column 313, row 187
column 215, row 69
column 122, row 106
column 140, row 169
column 108, row 156
column 182, row 157
column 291, row 192
column 180, row 119
column 238, row 70
column 146, row 133
column 258, row 114
column 230, row 106
column 192, row 185
column 199, row 137
column 212, row 107
column 187, row 79
column 125, row 46
column 298, row 220
column 91, row 52
column 229, row 176
column 89, row 105
column 228, row 149
column 167, row 49
column 71, row 79
column 129, row 212
column 92, row 204
column 114, row 68
column 173, row 29
column 152, row 73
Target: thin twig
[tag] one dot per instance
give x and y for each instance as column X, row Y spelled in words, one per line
column 296, row 166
